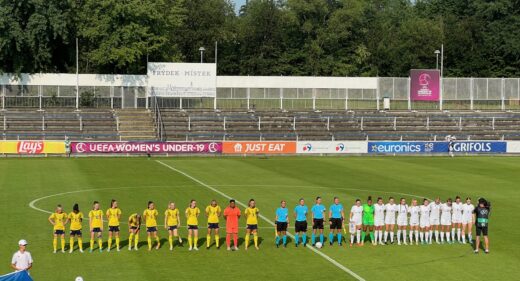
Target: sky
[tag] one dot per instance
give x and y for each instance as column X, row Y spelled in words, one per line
column 238, row 4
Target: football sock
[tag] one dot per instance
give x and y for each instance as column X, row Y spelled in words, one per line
column 247, row 240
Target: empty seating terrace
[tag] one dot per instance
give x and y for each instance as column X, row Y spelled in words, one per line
column 56, row 124
column 338, row 125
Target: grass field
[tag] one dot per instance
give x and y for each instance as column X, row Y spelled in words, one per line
column 134, row 181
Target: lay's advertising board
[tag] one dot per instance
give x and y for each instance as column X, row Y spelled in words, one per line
column 32, row 147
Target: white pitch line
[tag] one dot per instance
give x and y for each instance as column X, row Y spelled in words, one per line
column 337, row 264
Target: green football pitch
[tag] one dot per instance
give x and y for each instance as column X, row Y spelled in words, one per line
column 134, row 181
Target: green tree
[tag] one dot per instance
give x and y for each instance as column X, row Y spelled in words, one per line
column 121, row 36
column 34, row 35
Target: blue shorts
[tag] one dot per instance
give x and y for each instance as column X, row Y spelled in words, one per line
column 135, row 228
column 173, row 227
column 59, row 232
column 75, row 232
column 193, row 227
column 113, row 228
column 96, row 229
column 213, row 226
column 151, row 229
column 252, row 226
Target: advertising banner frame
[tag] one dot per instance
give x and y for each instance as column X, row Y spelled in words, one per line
column 144, row 147
column 425, row 85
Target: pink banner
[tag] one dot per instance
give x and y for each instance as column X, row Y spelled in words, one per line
column 146, row 147
column 424, row 85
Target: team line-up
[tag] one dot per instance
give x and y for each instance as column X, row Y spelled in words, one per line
column 448, row 221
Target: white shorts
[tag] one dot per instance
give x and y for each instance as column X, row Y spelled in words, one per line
column 445, row 220
column 379, row 222
column 424, row 223
column 390, row 220
column 402, row 221
column 466, row 220
column 357, row 221
column 456, row 219
column 414, row 221
column 434, row 221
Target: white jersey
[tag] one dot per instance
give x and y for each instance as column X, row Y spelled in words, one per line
column 402, row 215
column 357, row 214
column 391, row 209
column 467, row 213
column 424, row 220
column 445, row 214
column 435, row 213
column 22, row 260
column 379, row 215
column 414, row 215
column 456, row 212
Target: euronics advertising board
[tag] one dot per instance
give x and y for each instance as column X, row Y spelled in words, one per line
column 332, row 147
column 418, row 147
column 192, row 80
column 146, row 147
column 32, row 147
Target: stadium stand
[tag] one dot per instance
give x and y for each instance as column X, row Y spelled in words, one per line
column 56, row 124
column 303, row 125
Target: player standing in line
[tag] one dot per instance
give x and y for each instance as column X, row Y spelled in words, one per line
column 446, row 221
column 150, row 220
column 391, row 209
column 134, row 227
column 435, row 219
column 96, row 226
column 402, row 221
column 58, row 219
column 192, row 214
column 300, row 224
column 467, row 220
column 336, row 219
column 368, row 221
column 424, row 221
column 251, row 214
column 456, row 219
column 481, row 218
column 379, row 219
column 172, row 222
column 213, row 212
column 356, row 213
column 282, row 222
column 76, row 219
column 232, row 215
column 113, row 215
column 414, row 211
column 317, row 216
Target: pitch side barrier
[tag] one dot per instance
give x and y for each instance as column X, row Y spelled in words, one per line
column 136, row 148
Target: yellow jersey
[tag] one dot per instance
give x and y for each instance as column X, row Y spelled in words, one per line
column 150, row 217
column 59, row 220
column 113, row 215
column 213, row 213
column 171, row 217
column 133, row 221
column 251, row 215
column 75, row 220
column 96, row 218
column 192, row 214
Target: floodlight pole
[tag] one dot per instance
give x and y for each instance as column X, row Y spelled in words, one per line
column 202, row 49
column 77, row 75
column 441, row 90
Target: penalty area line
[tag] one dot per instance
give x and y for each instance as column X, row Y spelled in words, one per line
column 331, row 260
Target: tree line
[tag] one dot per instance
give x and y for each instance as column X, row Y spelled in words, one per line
column 266, row 37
